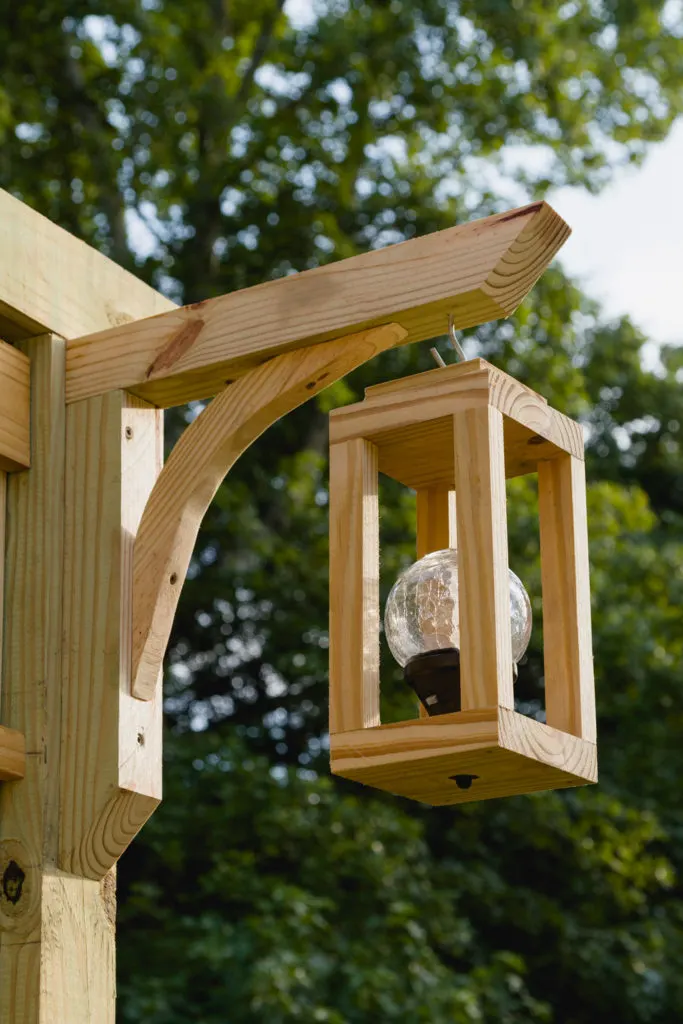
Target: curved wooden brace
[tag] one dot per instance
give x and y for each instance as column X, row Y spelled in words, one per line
column 200, row 460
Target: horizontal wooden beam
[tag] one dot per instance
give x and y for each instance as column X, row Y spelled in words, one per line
column 51, row 281
column 478, row 272
column 15, row 407
column 12, row 755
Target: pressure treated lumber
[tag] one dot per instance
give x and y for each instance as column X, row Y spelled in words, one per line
column 51, row 281
column 12, row 755
column 568, row 657
column 354, row 586
column 56, row 931
column 15, row 435
column 477, row 271
column 111, row 777
column 507, row 752
column 198, row 464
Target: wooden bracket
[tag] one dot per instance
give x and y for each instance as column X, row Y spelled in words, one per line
column 200, row 460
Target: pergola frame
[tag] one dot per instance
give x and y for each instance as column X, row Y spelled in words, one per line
column 97, row 536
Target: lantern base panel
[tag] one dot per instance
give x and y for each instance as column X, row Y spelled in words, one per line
column 502, row 752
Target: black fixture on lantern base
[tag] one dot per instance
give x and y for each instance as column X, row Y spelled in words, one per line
column 435, row 678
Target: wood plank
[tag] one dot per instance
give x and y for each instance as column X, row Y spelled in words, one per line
column 508, row 753
column 436, row 529
column 54, row 951
column 436, row 521
column 15, row 433
column 12, row 755
column 411, row 422
column 485, row 638
column 568, row 654
column 354, row 586
column 51, row 281
column 3, row 521
column 111, row 778
column 30, row 694
column 477, row 271
column 202, row 457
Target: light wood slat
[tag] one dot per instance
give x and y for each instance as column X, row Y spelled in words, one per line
column 477, row 271
column 57, row 938
column 354, row 586
column 51, row 281
column 568, row 658
column 507, row 752
column 3, row 521
column 436, row 529
column 483, row 588
column 436, row 521
column 15, row 433
column 198, row 464
column 12, row 754
column 111, row 777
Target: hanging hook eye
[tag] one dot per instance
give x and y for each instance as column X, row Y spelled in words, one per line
column 453, row 338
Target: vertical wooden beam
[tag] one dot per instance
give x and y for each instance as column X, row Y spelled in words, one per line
column 436, row 521
column 568, row 658
column 484, row 593
column 436, row 528
column 3, row 518
column 111, row 765
column 354, row 586
column 56, row 932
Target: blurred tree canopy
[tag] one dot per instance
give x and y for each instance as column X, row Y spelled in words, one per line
column 212, row 144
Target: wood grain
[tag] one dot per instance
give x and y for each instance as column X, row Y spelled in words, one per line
column 198, row 464
column 509, row 754
column 354, row 586
column 12, row 755
column 3, row 520
column 411, row 423
column 51, row 281
column 484, row 596
column 436, row 529
column 48, row 971
column 477, row 271
column 568, row 656
column 111, row 777
column 15, row 434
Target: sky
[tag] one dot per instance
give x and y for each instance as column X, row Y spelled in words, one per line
column 627, row 242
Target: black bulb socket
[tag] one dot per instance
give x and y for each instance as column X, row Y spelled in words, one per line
column 435, row 678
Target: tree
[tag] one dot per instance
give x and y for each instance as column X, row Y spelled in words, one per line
column 210, row 145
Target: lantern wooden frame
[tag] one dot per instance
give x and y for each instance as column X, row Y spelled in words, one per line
column 462, row 428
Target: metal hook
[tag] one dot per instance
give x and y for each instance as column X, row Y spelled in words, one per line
column 455, row 344
column 453, row 338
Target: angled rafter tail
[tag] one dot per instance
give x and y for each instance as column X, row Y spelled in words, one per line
column 477, row 271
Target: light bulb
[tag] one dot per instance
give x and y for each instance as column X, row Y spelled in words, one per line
column 421, row 621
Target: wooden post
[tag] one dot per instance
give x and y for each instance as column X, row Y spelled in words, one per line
column 568, row 651
column 436, row 528
column 485, row 640
column 354, row 601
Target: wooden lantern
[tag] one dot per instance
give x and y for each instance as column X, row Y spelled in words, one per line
column 461, row 429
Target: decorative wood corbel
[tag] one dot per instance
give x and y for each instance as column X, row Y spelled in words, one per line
column 200, row 460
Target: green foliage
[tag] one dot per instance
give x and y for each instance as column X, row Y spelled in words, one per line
column 210, row 145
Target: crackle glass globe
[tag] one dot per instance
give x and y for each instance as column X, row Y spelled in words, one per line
column 422, row 615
